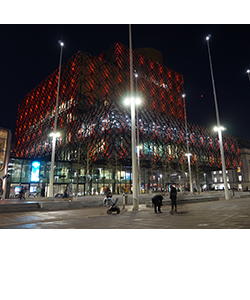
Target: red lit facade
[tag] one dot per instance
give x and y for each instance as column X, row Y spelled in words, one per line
column 91, row 114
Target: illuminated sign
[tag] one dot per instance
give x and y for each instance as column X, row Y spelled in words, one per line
column 35, row 171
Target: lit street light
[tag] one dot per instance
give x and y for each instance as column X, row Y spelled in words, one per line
column 219, row 128
column 55, row 134
column 137, row 101
column 188, row 154
column 205, row 179
column 248, row 73
column 133, row 137
column 161, row 181
column 128, row 100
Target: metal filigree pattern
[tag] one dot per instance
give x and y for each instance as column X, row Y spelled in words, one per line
column 91, row 111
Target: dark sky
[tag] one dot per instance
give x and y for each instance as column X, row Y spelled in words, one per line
column 29, row 53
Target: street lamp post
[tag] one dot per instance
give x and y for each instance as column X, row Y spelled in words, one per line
column 188, row 154
column 219, row 128
column 161, row 181
column 248, row 73
column 137, row 138
column 133, row 137
column 54, row 134
column 205, row 179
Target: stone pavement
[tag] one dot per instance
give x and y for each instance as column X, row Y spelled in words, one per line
column 222, row 214
column 46, row 204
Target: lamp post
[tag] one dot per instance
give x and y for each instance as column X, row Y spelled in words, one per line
column 161, row 181
column 248, row 73
column 137, row 138
column 54, row 134
column 137, row 101
column 133, row 137
column 219, row 128
column 188, row 154
column 205, row 179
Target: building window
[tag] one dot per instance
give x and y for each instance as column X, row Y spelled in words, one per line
column 221, row 179
column 215, row 179
column 240, row 177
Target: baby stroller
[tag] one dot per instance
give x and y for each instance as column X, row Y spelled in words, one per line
column 108, row 202
column 21, row 194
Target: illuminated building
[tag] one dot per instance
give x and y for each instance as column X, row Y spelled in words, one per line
column 5, row 141
column 95, row 125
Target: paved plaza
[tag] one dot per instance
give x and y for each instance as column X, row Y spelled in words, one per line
column 222, row 214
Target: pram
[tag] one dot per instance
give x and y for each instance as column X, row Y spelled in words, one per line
column 108, row 202
column 21, row 195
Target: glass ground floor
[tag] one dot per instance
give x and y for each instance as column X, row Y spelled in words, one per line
column 34, row 174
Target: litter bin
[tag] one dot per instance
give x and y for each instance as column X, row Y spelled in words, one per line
column 124, row 199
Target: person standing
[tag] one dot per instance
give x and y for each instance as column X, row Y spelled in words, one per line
column 173, row 197
column 43, row 191
column 38, row 191
column 126, row 190
column 157, row 201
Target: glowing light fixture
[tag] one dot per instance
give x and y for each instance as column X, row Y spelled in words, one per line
column 128, row 100
column 248, row 73
column 216, row 128
column 56, row 134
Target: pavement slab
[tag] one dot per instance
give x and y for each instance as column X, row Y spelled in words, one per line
column 223, row 214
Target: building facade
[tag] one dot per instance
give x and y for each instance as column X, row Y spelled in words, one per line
column 238, row 178
column 5, row 144
column 95, row 124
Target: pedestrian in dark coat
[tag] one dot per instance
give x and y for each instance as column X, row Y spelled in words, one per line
column 109, row 194
column 157, row 201
column 173, row 197
column 43, row 191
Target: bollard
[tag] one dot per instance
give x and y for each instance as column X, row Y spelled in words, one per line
column 124, row 200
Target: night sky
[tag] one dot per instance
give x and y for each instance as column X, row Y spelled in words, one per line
column 29, row 53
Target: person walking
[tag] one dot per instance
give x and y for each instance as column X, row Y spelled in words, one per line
column 173, row 197
column 157, row 201
column 21, row 194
